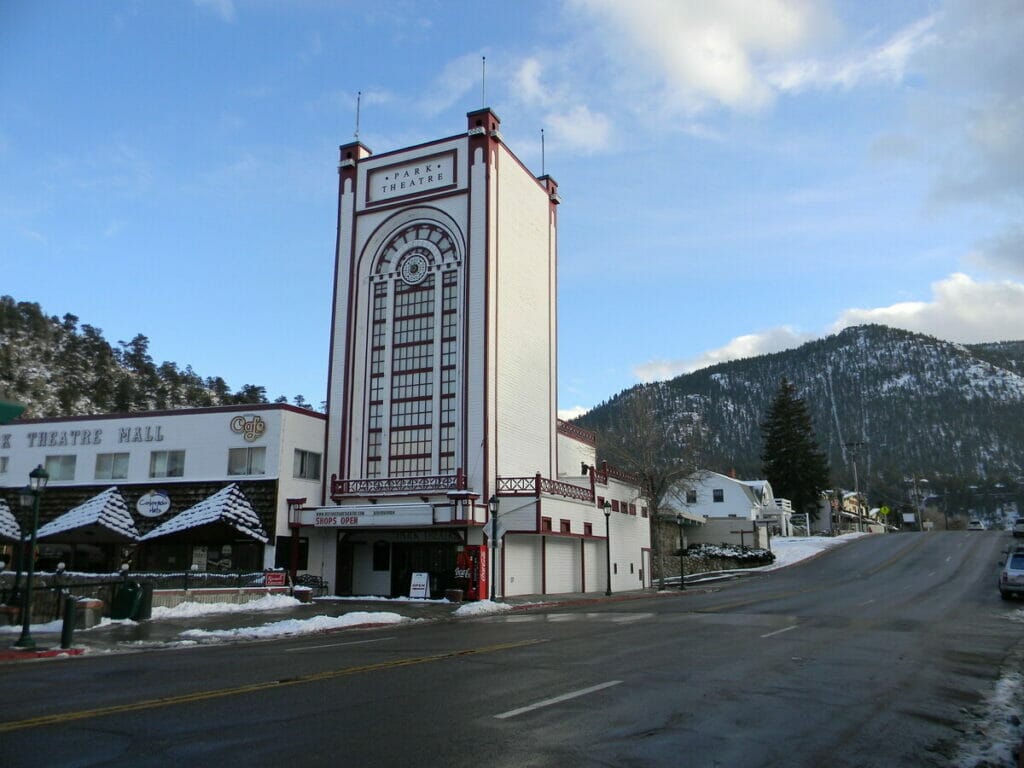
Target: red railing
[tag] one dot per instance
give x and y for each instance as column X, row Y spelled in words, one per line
column 537, row 485
column 571, row 430
column 602, row 473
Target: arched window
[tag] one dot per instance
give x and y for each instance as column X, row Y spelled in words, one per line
column 413, row 354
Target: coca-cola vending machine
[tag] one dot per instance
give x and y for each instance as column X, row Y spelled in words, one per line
column 471, row 571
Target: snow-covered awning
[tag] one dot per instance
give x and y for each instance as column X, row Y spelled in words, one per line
column 228, row 506
column 104, row 517
column 8, row 525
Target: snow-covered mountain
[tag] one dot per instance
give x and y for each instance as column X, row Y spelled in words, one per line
column 899, row 404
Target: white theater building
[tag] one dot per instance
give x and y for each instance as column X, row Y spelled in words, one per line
column 442, row 389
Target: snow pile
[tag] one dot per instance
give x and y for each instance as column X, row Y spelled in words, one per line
column 789, row 550
column 294, row 627
column 49, row 626
column 998, row 728
column 481, row 608
column 189, row 609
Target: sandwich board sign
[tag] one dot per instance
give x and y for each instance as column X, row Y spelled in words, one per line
column 420, row 586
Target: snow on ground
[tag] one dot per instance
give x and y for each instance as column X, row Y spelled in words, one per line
column 793, row 549
column 190, row 609
column 49, row 626
column 481, row 608
column 376, row 598
column 292, row 627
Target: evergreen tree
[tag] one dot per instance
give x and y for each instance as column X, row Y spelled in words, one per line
column 792, row 461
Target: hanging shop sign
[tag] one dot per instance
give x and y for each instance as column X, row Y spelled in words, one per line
column 153, row 504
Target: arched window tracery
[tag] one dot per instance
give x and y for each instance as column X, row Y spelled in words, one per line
column 412, row 397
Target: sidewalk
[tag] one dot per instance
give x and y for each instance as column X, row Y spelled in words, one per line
column 158, row 633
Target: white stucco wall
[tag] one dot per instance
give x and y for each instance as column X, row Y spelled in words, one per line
column 523, row 333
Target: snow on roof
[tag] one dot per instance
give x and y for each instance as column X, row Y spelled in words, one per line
column 107, row 510
column 228, row 506
column 8, row 525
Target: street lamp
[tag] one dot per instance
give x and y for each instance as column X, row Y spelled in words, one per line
column 608, row 544
column 492, row 507
column 682, row 554
column 30, row 497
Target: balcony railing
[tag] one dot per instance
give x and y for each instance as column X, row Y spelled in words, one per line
column 537, row 485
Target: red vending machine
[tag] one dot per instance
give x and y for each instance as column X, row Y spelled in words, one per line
column 471, row 571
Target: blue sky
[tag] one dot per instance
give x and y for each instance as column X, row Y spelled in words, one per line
column 737, row 177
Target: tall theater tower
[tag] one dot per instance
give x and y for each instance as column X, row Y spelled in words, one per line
column 443, row 349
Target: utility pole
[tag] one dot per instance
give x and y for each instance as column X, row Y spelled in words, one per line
column 854, row 448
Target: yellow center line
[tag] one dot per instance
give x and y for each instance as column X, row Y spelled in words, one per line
column 189, row 698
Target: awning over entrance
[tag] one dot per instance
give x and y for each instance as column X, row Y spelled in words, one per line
column 104, row 517
column 8, row 525
column 229, row 506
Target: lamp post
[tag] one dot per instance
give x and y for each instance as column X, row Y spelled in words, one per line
column 492, row 507
column 608, row 544
column 30, row 496
column 682, row 554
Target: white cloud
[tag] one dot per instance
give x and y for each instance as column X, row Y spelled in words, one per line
column 527, row 82
column 568, row 414
column 702, row 53
column 750, row 345
column 225, row 9
column 579, row 129
column 887, row 62
column 456, row 79
column 961, row 310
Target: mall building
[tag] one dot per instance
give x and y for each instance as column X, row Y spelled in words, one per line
column 164, row 490
column 445, row 457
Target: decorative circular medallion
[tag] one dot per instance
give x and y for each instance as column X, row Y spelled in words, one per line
column 414, row 269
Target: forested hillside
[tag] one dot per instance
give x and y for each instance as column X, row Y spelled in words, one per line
column 898, row 404
column 60, row 368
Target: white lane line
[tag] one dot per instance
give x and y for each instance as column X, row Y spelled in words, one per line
column 866, row 602
column 556, row 700
column 336, row 645
column 780, row 631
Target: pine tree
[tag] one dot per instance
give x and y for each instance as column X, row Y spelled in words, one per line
column 792, row 461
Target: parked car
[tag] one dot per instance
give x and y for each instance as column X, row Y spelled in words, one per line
column 1011, row 578
column 1018, row 527
column 975, row 525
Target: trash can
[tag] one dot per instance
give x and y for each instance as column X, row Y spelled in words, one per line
column 145, row 603
column 127, row 598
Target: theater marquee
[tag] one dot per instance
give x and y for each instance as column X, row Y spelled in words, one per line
column 369, row 516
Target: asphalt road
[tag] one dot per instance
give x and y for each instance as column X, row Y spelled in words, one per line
column 870, row 655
